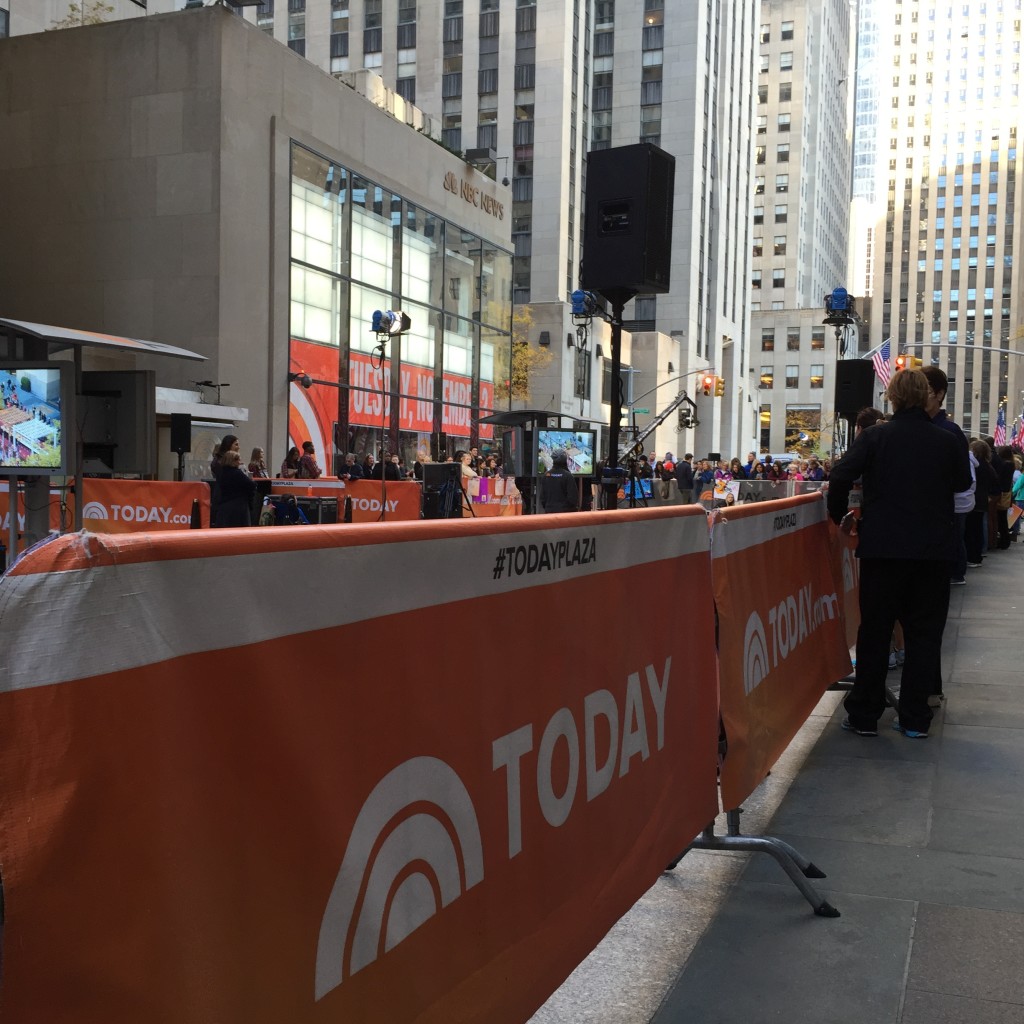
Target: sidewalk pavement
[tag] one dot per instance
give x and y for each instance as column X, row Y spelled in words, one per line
column 923, row 845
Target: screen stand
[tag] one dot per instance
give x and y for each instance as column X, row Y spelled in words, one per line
column 12, row 519
column 37, row 509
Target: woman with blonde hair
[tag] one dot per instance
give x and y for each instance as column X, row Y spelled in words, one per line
column 258, row 465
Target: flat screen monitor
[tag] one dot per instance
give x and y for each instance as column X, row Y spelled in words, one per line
column 578, row 445
column 512, row 443
column 437, row 474
column 33, row 410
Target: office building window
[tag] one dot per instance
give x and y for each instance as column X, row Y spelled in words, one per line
column 779, row 245
column 817, row 375
column 767, row 377
column 767, row 339
column 817, row 338
column 781, row 214
column 779, row 278
column 792, row 376
column 786, row 61
column 793, row 339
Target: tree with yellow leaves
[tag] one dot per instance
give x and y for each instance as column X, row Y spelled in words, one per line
column 513, row 380
column 88, row 12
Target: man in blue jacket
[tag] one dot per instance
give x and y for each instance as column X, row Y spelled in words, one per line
column 910, row 470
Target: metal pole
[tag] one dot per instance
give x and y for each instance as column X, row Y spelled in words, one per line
column 615, row 418
column 12, row 519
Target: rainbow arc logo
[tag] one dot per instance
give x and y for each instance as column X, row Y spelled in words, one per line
column 415, row 848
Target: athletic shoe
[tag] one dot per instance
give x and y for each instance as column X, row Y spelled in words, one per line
column 846, row 724
column 958, row 582
column 974, row 565
column 911, row 734
column 893, row 663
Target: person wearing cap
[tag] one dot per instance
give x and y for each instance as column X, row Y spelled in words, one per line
column 558, row 490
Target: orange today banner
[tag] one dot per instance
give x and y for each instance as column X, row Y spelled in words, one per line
column 781, row 639
column 402, row 498
column 846, row 572
column 5, row 511
column 294, row 802
column 127, row 506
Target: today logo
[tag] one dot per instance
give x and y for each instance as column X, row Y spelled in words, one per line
column 416, row 847
column 790, row 623
column 133, row 513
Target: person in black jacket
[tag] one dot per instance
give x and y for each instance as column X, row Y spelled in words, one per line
column 684, row 478
column 558, row 490
column 1002, row 463
column 910, row 469
column 236, row 491
column 987, row 485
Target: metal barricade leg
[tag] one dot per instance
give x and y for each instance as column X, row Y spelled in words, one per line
column 796, row 866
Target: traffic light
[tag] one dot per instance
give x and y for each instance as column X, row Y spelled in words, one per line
column 904, row 361
column 719, row 387
column 709, row 385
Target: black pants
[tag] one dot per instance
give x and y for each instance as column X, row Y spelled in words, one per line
column 916, row 592
column 974, row 533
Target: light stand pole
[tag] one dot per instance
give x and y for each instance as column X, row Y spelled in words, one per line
column 385, row 324
column 618, row 297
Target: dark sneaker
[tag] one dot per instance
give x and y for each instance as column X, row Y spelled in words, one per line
column 911, row 734
column 958, row 582
column 849, row 727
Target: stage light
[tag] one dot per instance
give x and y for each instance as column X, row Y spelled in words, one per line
column 390, row 322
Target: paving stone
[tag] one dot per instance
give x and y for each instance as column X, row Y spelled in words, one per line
column 964, row 951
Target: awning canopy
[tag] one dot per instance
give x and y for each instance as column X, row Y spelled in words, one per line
column 65, row 337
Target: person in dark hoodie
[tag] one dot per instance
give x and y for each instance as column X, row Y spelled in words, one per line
column 558, row 490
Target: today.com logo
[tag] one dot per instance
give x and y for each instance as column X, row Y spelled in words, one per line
column 132, row 513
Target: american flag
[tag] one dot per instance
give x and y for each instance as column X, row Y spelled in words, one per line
column 880, row 361
column 1000, row 435
column 1013, row 433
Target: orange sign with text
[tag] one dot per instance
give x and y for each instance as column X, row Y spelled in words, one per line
column 401, row 498
column 5, row 507
column 247, row 779
column 129, row 506
column 781, row 639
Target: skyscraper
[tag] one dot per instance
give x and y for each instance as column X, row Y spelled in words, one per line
column 801, row 210
column 947, row 275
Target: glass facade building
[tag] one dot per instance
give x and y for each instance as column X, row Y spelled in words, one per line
column 355, row 248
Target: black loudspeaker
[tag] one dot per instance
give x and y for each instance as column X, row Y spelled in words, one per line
column 627, row 233
column 181, row 432
column 855, row 387
column 439, row 447
column 328, row 510
column 310, row 508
